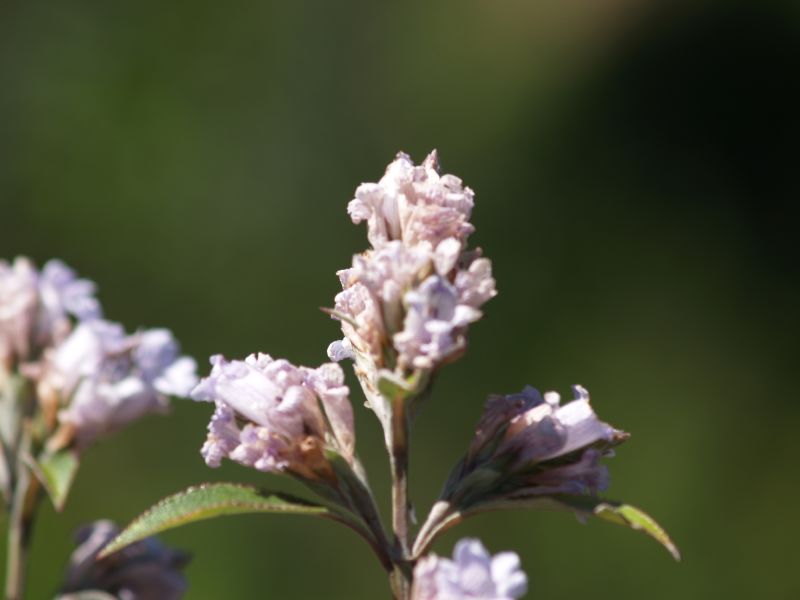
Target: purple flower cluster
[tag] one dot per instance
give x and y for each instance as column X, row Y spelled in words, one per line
column 146, row 570
column 108, row 378
column 472, row 574
column 274, row 416
column 528, row 430
column 87, row 371
column 407, row 302
column 36, row 308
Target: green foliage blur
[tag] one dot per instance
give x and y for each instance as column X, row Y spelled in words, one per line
column 635, row 166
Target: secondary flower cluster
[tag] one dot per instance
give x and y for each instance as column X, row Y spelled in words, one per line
column 89, row 374
column 146, row 570
column 291, row 415
column 36, row 308
column 407, row 302
column 543, row 447
column 473, row 574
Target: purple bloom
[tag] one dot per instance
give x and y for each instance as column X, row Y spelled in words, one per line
column 548, row 430
column 106, row 379
column 146, row 570
column 406, row 304
column 413, row 204
column 36, row 307
column 434, row 329
column 473, row 574
column 530, row 430
column 269, row 414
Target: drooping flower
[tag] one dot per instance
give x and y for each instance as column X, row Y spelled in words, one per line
column 145, row 570
column 413, row 204
column 549, row 448
column 106, row 379
column 472, row 574
column 274, row 416
column 36, row 307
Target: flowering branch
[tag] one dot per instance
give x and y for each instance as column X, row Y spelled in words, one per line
column 405, row 309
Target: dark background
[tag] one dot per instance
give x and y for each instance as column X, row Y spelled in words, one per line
column 635, row 165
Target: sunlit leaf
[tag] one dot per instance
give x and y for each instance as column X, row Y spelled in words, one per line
column 206, row 502
column 625, row 514
column 583, row 506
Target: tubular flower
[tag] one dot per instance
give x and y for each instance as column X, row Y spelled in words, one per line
column 35, row 307
column 106, row 379
column 274, row 416
column 146, row 570
column 413, row 204
column 473, row 574
column 407, row 303
column 555, row 448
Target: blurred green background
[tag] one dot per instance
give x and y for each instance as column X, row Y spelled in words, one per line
column 635, row 165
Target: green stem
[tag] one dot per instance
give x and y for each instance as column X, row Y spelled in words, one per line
column 23, row 508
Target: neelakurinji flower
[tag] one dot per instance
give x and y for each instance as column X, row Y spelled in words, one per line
column 405, row 307
column 105, row 379
column 146, row 570
column 472, row 574
column 36, row 307
column 406, row 304
column 274, row 416
column 545, row 447
column 414, row 204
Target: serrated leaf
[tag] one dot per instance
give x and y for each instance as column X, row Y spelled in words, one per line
column 57, row 471
column 206, row 502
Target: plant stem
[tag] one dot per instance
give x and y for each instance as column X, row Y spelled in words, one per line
column 20, row 527
column 401, row 577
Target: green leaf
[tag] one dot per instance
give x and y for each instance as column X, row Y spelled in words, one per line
column 207, row 501
column 56, row 471
column 625, row 514
column 586, row 506
column 583, row 506
column 393, row 387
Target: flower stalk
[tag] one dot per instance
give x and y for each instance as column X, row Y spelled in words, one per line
column 27, row 492
column 401, row 513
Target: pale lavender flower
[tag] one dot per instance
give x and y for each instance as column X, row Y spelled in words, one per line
column 36, row 307
column 145, row 570
column 472, row 574
column 413, row 204
column 549, row 430
column 434, row 329
column 106, row 379
column 269, row 414
column 418, row 299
